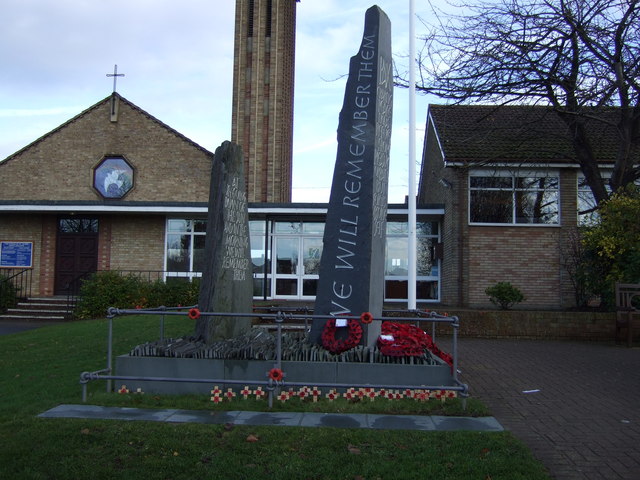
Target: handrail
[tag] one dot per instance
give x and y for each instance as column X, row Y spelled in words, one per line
column 21, row 282
column 73, row 289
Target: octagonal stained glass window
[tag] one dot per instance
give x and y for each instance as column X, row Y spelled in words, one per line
column 113, row 177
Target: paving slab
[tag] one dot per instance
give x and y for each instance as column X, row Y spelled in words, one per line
column 287, row 419
column 400, row 422
column 335, row 420
column 108, row 413
column 202, row 416
column 479, row 424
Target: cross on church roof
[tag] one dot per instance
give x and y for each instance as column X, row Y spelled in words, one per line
column 115, row 76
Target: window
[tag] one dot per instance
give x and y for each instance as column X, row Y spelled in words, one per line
column 185, row 247
column 397, row 261
column 78, row 225
column 260, row 258
column 113, row 177
column 521, row 198
column 587, row 215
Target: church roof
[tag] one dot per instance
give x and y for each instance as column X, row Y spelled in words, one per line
column 98, row 105
column 516, row 134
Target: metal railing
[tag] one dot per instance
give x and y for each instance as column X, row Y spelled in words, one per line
column 277, row 318
column 15, row 284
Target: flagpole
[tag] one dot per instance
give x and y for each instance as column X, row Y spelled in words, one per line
column 411, row 287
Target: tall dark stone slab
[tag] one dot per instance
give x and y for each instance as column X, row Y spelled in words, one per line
column 226, row 284
column 352, row 264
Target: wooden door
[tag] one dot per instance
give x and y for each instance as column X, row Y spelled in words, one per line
column 76, row 251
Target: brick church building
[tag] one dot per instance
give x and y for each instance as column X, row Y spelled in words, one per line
column 114, row 188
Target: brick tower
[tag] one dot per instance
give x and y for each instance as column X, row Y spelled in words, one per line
column 263, row 78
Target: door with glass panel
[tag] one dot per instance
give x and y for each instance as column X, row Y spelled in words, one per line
column 296, row 260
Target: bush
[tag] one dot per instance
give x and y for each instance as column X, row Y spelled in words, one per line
column 111, row 289
column 612, row 245
column 504, row 295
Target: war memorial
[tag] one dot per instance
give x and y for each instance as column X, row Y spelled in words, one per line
column 347, row 340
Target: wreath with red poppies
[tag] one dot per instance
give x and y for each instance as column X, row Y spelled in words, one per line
column 408, row 340
column 338, row 345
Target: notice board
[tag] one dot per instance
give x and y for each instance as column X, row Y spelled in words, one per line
column 16, row 254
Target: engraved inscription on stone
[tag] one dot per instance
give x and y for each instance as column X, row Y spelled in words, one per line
column 351, row 278
column 235, row 240
column 226, row 284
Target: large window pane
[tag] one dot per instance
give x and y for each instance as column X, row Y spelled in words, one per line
column 397, row 258
column 537, row 207
column 312, row 251
column 287, row 256
column 198, row 253
column 491, row 206
column 514, row 199
column 178, row 250
column 423, row 256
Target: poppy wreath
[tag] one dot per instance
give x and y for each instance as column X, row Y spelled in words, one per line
column 194, row 313
column 408, row 340
column 334, row 345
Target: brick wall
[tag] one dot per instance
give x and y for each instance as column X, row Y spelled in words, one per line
column 137, row 242
column 534, row 324
column 22, row 228
column 528, row 258
column 60, row 165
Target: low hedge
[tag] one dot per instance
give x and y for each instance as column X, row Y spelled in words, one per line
column 112, row 289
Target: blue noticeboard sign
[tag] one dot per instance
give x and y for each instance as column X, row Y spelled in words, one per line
column 16, row 254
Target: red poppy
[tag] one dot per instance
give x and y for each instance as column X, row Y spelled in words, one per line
column 276, row 374
column 194, row 313
column 366, row 317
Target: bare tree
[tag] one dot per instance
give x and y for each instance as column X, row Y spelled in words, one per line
column 577, row 56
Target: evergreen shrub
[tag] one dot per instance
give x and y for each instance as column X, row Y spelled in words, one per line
column 504, row 295
column 111, row 289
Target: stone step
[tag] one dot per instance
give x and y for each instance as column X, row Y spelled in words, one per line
column 50, row 309
column 41, row 306
column 11, row 317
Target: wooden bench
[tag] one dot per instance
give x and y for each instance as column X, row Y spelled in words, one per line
column 627, row 306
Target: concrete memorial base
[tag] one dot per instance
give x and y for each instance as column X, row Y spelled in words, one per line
column 310, row 373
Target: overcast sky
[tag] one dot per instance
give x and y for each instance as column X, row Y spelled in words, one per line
column 177, row 58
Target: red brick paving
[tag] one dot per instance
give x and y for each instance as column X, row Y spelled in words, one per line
column 584, row 422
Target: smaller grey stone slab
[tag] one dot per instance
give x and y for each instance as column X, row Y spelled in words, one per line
column 400, row 422
column 108, row 413
column 203, row 416
column 335, row 420
column 286, row 419
column 479, row 424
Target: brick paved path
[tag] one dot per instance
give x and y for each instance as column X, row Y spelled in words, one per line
column 584, row 423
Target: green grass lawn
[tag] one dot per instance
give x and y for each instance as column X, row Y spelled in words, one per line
column 40, row 369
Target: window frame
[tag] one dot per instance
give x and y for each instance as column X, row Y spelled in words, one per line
column 516, row 193
column 192, row 234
